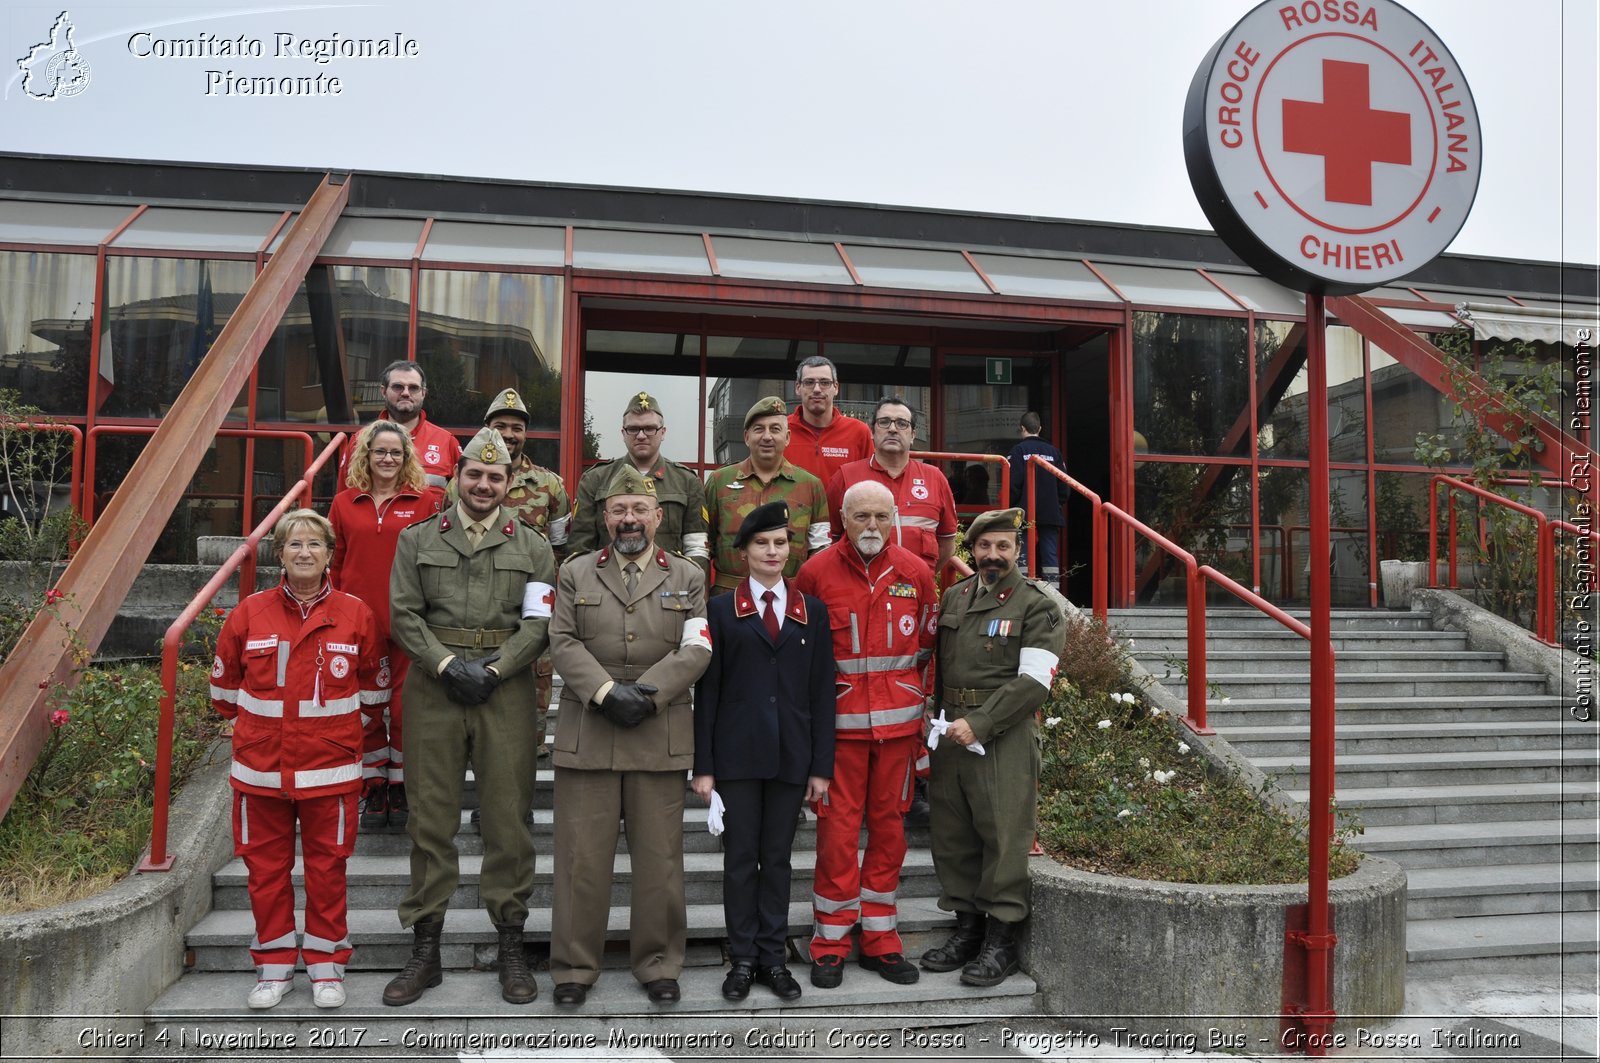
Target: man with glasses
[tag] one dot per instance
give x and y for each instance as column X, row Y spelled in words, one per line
column 822, row 438
column 678, row 490
column 405, row 388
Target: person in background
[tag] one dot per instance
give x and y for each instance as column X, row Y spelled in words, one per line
column 384, row 493
column 823, row 438
column 1047, row 494
column 763, row 740
column 296, row 668
column 405, row 389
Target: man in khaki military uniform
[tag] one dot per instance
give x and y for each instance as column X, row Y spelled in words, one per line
column 470, row 597
column 629, row 638
column 539, row 499
column 679, row 490
column 1000, row 640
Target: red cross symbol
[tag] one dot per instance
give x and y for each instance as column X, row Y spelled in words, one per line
column 1345, row 130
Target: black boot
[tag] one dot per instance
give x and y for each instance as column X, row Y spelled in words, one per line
column 918, row 814
column 517, row 985
column 422, row 970
column 997, row 959
column 959, row 947
column 399, row 807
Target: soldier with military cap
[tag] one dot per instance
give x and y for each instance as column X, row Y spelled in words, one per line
column 470, row 594
column 678, row 489
column 735, row 491
column 1000, row 638
column 629, row 638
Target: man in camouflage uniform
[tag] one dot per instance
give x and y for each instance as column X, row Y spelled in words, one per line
column 1000, row 638
column 679, row 489
column 539, row 499
column 765, row 476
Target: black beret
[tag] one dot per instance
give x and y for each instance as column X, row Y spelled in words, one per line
column 762, row 518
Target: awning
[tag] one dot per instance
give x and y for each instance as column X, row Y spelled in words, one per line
column 1534, row 324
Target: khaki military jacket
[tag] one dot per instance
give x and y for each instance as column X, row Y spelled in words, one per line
column 997, row 655
column 655, row 634
column 682, row 495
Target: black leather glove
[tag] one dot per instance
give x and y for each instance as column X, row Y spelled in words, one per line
column 628, row 704
column 471, row 682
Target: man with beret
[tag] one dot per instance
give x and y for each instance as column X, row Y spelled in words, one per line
column 678, row 489
column 629, row 638
column 1000, row 638
column 470, row 598
column 734, row 491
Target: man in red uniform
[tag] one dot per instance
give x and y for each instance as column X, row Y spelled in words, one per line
column 823, row 439
column 405, row 388
column 925, row 510
column 884, row 614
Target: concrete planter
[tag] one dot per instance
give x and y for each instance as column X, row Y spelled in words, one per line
column 1203, row 965
column 1400, row 581
column 213, row 551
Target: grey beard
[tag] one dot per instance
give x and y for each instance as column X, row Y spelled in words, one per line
column 870, row 544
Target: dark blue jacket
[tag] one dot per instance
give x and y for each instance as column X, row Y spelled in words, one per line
column 764, row 711
column 1050, row 493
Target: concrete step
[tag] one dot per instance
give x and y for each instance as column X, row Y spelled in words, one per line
column 1377, row 685
column 1349, row 662
column 1500, row 936
column 1500, row 889
column 1391, row 806
column 1480, row 843
column 1464, row 708
column 1284, row 639
column 1231, row 619
column 381, row 881
column 1285, row 740
column 1361, row 771
column 221, row 940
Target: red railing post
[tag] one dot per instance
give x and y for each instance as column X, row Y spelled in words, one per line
column 1547, row 581
column 1102, row 548
column 1033, row 507
column 1196, row 593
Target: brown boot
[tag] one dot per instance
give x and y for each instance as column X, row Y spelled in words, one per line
column 960, row 947
column 517, row 985
column 422, row 970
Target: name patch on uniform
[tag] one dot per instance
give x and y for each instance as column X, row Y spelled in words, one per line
column 268, row 643
column 343, row 647
column 903, row 590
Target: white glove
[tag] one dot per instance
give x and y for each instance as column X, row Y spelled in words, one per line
column 937, row 728
column 714, row 817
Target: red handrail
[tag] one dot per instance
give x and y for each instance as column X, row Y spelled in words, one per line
column 996, row 459
column 1545, row 546
column 75, row 491
column 158, row 859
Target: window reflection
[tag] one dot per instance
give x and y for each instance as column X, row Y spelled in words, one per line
column 1190, row 388
column 1204, row 508
column 46, row 313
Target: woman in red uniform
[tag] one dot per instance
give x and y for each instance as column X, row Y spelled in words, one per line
column 385, row 492
column 296, row 668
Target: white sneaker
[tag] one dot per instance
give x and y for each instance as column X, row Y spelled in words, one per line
column 328, row 994
column 266, row 994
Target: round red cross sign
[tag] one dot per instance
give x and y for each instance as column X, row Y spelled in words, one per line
column 1332, row 143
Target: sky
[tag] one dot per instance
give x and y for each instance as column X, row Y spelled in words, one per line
column 1054, row 108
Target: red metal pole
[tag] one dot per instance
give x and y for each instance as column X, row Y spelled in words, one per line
column 1196, row 585
column 1102, row 559
column 1547, row 581
column 1433, row 532
column 1033, row 507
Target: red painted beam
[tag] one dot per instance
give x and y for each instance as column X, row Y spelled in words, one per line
column 103, row 571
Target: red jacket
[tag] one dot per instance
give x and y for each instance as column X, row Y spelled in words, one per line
column 297, row 691
column 438, row 450
column 823, row 451
column 926, row 510
column 884, row 615
column 365, row 535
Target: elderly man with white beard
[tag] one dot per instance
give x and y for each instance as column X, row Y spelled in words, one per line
column 884, row 615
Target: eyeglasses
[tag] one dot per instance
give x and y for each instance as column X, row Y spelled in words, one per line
column 644, row 430
column 390, row 455
column 294, row 546
column 893, row 422
column 405, row 387
column 816, row 385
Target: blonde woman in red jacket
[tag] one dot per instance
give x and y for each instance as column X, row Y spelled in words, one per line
column 297, row 667
column 384, row 493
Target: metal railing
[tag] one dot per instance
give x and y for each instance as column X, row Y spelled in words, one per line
column 1004, row 498
column 158, row 859
column 75, row 490
column 1545, row 546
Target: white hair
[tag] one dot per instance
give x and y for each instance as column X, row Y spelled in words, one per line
column 861, row 490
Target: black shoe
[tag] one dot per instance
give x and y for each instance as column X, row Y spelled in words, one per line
column 778, row 979
column 998, row 959
column 827, row 972
column 663, row 991
column 375, row 807
column 892, row 966
column 571, row 993
column 919, row 815
column 399, row 808
column 960, row 947
column 737, row 985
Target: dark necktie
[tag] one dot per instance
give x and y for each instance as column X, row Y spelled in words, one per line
column 769, row 616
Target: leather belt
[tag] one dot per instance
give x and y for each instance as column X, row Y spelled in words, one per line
column 472, row 637
column 966, row 696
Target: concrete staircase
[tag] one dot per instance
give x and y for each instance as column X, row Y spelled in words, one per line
column 1470, row 776
column 210, row 997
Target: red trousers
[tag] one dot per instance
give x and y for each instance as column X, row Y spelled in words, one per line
column 871, row 782
column 263, row 834
column 383, row 747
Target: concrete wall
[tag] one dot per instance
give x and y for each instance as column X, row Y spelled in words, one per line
column 92, row 967
column 1202, row 966
column 1487, row 632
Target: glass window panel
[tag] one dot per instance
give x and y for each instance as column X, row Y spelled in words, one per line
column 1405, row 406
column 163, row 314
column 1190, row 385
column 1351, row 569
column 1046, row 278
column 982, row 418
column 606, row 395
column 783, row 260
column 29, row 222
column 46, row 304
column 507, row 245
column 649, row 344
column 728, row 399
column 372, row 238
column 870, row 370
column 198, row 231
column 1283, row 492
column 1418, row 319
column 759, row 348
column 1203, row 508
column 1281, row 389
column 1402, row 515
column 639, row 252
column 479, row 333
column 899, row 267
column 1262, row 295
column 1171, row 287
column 1347, row 396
